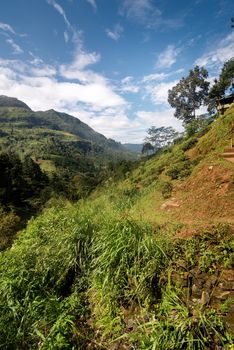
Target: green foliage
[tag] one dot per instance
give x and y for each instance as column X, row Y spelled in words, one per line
column 176, row 327
column 189, row 94
column 179, row 170
column 190, row 143
column 223, row 84
column 159, row 137
column 38, row 275
column 122, row 274
column 9, row 223
column 208, row 250
column 166, row 189
column 147, row 148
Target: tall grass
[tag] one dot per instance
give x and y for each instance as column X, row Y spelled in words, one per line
column 128, row 258
column 39, row 273
column 178, row 327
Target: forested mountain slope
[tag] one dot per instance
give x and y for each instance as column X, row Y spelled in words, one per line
column 53, row 135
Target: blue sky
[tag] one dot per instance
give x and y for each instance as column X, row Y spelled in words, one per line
column 110, row 62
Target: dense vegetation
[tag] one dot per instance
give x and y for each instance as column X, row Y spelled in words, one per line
column 108, row 272
column 48, row 154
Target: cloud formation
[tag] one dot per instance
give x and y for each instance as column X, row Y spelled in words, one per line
column 115, row 34
column 222, row 52
column 93, row 4
column 158, row 118
column 168, row 57
column 143, row 11
column 128, row 85
column 60, row 10
column 158, row 92
column 16, row 48
column 7, row 28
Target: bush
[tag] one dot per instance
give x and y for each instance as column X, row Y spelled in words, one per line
column 9, row 223
column 179, row 170
column 166, row 189
column 189, row 144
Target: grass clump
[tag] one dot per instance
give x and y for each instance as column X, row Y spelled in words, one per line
column 128, row 260
column 37, row 279
column 175, row 326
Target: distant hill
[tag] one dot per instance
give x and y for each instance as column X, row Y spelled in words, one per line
column 134, row 147
column 6, row 101
column 54, row 139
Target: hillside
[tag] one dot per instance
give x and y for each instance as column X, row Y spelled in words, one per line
column 197, row 180
column 55, row 137
column 6, row 101
column 146, row 262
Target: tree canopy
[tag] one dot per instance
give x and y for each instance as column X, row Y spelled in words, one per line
column 189, row 94
column 159, row 137
column 223, row 84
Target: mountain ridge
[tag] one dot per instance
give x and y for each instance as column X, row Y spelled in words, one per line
column 17, row 120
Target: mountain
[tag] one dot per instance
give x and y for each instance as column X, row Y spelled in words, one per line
column 59, row 138
column 6, row 101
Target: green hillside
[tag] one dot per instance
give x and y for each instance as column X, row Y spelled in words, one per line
column 54, row 136
column 146, row 262
column 45, row 155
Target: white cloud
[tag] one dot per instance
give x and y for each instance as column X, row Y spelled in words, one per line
column 154, row 77
column 6, row 27
column 60, row 10
column 223, row 51
column 16, row 48
column 66, row 37
column 81, row 60
column 144, row 11
column 128, row 85
column 115, row 34
column 159, row 92
column 168, row 57
column 159, row 118
column 93, row 4
column 38, row 85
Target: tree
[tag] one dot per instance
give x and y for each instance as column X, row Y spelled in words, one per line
column 223, row 84
column 160, row 137
column 189, row 94
column 147, row 148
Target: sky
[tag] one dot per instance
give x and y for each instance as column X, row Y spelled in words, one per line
column 110, row 63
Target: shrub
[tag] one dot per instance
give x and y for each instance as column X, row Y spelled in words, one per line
column 9, row 223
column 191, row 142
column 179, row 170
column 166, row 189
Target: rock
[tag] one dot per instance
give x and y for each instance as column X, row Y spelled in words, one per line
column 172, row 203
column 210, row 167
